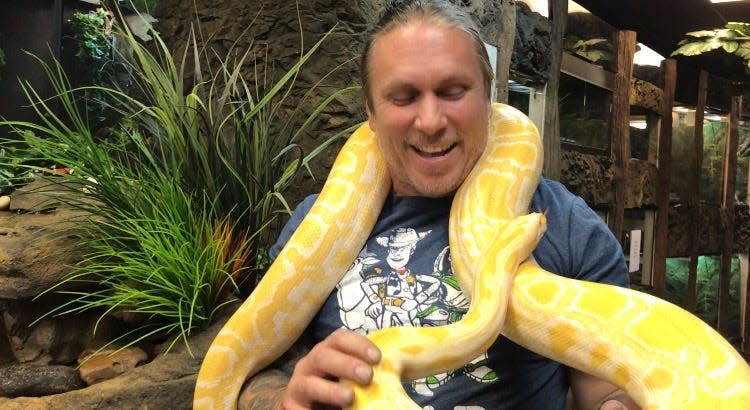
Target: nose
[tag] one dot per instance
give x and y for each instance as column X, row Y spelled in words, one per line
column 430, row 119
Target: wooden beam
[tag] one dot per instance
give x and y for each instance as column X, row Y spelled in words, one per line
column 694, row 195
column 625, row 42
column 664, row 165
column 727, row 212
column 504, row 42
column 745, row 305
column 558, row 14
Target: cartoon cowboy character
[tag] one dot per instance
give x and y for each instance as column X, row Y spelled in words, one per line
column 398, row 295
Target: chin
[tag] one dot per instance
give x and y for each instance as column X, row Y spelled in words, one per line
column 437, row 189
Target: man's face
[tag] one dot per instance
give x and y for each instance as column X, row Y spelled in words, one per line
column 430, row 109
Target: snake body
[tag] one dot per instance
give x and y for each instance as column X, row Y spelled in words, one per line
column 661, row 355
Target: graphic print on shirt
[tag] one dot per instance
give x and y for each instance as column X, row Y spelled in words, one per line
column 394, row 293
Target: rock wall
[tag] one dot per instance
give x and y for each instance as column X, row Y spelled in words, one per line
column 710, row 230
column 532, row 44
column 588, row 176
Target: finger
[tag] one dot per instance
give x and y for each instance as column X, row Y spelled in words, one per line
column 354, row 344
column 613, row 405
column 327, row 362
column 302, row 392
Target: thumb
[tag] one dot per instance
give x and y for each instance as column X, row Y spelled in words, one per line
column 612, row 405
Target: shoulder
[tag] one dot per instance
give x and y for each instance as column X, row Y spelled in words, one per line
column 291, row 225
column 553, row 199
column 577, row 242
column 551, row 194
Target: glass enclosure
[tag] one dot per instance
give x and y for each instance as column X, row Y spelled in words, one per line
column 707, row 290
column 644, row 129
column 743, row 153
column 584, row 113
column 519, row 95
column 715, row 131
column 683, row 153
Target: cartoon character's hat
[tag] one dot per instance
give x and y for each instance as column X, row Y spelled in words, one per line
column 403, row 237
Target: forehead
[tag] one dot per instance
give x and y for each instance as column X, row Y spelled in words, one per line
column 420, row 47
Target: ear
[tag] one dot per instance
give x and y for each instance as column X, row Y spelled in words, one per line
column 370, row 116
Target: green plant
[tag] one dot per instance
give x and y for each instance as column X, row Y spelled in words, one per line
column 593, row 49
column 7, row 173
column 91, row 30
column 14, row 163
column 733, row 38
column 181, row 191
column 96, row 59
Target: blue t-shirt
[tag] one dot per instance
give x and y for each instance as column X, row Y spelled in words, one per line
column 403, row 277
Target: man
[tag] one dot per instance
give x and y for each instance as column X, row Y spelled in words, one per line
column 427, row 79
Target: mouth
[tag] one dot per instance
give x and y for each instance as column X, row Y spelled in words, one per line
column 433, row 151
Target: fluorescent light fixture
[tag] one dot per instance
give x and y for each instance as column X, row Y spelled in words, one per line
column 647, row 56
column 640, row 124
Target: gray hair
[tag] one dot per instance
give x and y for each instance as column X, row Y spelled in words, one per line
column 399, row 12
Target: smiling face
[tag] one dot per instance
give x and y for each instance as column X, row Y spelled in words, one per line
column 428, row 106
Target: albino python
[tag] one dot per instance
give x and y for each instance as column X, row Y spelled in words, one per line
column 661, row 355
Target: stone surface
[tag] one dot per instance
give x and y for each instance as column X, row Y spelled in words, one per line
column 41, row 195
column 588, row 176
column 35, row 250
column 33, row 337
column 106, row 365
column 34, row 381
column 641, row 184
column 167, row 382
column 531, row 49
column 646, row 95
column 710, row 230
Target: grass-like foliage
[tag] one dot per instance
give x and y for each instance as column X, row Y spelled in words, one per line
column 180, row 193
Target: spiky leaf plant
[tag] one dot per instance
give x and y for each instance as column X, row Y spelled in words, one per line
column 179, row 194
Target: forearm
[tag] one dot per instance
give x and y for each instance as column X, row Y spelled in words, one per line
column 264, row 391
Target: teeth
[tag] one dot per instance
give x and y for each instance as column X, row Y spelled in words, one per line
column 433, row 149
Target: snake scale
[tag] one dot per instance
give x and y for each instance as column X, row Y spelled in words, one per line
column 661, row 355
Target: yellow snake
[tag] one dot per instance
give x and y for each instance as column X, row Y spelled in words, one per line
column 661, row 355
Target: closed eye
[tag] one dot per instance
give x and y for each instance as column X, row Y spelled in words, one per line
column 452, row 93
column 403, row 98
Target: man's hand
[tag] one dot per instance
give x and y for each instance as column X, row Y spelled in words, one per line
column 342, row 355
column 613, row 404
column 592, row 393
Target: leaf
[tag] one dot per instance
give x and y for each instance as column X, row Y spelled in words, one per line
column 743, row 28
column 695, row 48
column 731, row 46
column 702, row 33
column 743, row 50
column 725, row 33
column 595, row 55
column 594, row 41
